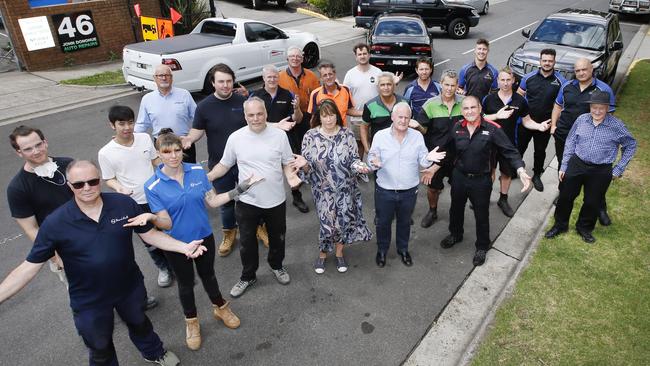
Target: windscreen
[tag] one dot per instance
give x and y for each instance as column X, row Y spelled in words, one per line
column 399, row 28
column 572, row 34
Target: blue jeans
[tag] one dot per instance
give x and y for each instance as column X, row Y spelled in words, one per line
column 95, row 326
column 223, row 185
column 390, row 204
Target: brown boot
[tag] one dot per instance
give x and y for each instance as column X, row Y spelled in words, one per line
column 225, row 314
column 229, row 236
column 193, row 331
column 263, row 235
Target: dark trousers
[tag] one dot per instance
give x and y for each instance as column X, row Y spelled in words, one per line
column 398, row 204
column 157, row 255
column 223, row 185
column 595, row 179
column 540, row 142
column 95, row 326
column 184, row 270
column 477, row 189
column 248, row 217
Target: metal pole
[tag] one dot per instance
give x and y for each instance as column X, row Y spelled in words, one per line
column 12, row 42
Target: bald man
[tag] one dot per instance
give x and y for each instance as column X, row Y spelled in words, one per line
column 167, row 107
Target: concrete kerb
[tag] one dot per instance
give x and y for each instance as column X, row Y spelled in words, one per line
column 629, row 57
column 311, row 13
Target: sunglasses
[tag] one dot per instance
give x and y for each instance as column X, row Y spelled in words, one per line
column 80, row 185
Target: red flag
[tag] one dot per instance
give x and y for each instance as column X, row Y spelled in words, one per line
column 137, row 9
column 176, row 16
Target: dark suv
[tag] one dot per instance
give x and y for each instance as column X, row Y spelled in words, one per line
column 455, row 19
column 573, row 33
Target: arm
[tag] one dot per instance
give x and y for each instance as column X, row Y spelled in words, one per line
column 521, row 92
column 18, row 278
column 217, row 171
column 165, row 242
column 354, row 112
column 628, row 148
column 29, row 226
column 530, row 124
column 117, row 187
column 500, row 114
column 143, row 123
column 160, row 219
column 555, row 116
column 292, row 177
column 156, row 162
column 364, row 132
column 215, row 200
column 297, row 113
column 193, row 136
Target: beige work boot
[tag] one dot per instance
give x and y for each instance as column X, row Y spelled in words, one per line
column 229, row 236
column 193, row 331
column 263, row 235
column 225, row 314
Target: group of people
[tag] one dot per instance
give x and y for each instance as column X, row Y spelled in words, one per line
column 303, row 129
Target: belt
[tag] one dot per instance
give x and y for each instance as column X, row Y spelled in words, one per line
column 396, row 190
column 473, row 175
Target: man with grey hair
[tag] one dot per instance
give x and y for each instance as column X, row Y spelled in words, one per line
column 377, row 111
column 167, row 107
column 93, row 233
column 266, row 201
column 397, row 154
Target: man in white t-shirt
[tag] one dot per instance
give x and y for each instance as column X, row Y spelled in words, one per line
column 265, row 201
column 127, row 162
column 362, row 81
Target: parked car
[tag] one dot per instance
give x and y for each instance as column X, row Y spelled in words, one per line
column 483, row 6
column 244, row 45
column 640, row 7
column 455, row 19
column 257, row 4
column 397, row 40
column 573, row 33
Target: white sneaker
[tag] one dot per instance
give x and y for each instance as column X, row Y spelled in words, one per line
column 240, row 287
column 281, row 275
column 164, row 278
column 168, row 359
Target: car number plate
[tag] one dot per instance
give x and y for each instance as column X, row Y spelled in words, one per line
column 627, row 8
column 141, row 66
column 400, row 62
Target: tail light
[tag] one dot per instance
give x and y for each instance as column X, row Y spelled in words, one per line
column 421, row 48
column 172, row 63
column 358, row 10
column 376, row 47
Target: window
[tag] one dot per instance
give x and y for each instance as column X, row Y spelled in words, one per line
column 258, row 32
column 399, row 28
column 572, row 34
column 219, row 28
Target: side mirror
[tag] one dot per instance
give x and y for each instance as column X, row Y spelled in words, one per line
column 616, row 46
column 525, row 32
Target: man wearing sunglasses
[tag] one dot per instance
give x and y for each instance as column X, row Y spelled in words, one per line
column 93, row 232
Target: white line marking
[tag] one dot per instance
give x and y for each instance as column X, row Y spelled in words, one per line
column 504, row 36
column 442, row 62
column 2, row 34
column 4, row 241
column 632, row 24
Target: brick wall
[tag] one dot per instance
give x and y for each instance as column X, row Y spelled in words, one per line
column 113, row 22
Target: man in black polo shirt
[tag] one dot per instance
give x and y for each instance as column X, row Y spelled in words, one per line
column 283, row 110
column 510, row 111
column 478, row 77
column 571, row 102
column 540, row 87
column 217, row 116
column 476, row 140
column 91, row 233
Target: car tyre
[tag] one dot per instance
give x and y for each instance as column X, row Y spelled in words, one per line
column 310, row 55
column 282, row 3
column 207, row 86
column 486, row 8
column 458, row 28
column 256, row 4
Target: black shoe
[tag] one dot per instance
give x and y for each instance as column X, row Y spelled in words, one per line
column 380, row 259
column 300, row 205
column 150, row 303
column 603, row 218
column 411, row 221
column 406, row 258
column 505, row 207
column 586, row 237
column 555, row 200
column 450, row 240
column 555, row 231
column 429, row 218
column 479, row 257
column 537, row 183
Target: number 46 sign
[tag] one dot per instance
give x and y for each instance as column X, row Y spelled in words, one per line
column 76, row 31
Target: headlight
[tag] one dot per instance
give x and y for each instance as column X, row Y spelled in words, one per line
column 516, row 62
column 474, row 12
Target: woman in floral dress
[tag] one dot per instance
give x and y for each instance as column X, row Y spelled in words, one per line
column 331, row 164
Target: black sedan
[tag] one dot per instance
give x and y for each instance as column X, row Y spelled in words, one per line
column 397, row 40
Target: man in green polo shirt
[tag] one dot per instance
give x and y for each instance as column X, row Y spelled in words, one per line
column 376, row 112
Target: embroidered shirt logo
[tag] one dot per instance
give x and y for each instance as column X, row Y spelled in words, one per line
column 115, row 221
column 487, row 133
column 195, row 184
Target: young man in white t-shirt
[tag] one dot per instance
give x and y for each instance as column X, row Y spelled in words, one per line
column 127, row 161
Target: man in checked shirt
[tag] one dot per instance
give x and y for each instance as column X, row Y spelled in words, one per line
column 591, row 149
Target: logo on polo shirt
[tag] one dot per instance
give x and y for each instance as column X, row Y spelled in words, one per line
column 555, row 82
column 487, row 76
column 487, row 133
column 372, row 79
column 115, row 221
column 195, row 184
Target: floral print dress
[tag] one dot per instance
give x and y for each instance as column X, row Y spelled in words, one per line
column 334, row 185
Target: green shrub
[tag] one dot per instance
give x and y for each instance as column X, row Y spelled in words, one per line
column 333, row 8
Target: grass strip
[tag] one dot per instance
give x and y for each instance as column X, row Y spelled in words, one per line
column 103, row 78
column 580, row 304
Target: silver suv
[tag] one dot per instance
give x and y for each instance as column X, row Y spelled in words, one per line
column 641, row 7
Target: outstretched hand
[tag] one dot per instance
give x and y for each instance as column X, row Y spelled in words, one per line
column 435, row 155
column 285, row 124
column 298, row 162
column 194, row 249
column 504, row 113
column 140, row 220
column 525, row 180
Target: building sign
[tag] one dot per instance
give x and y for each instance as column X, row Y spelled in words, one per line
column 36, row 32
column 149, row 28
column 76, row 31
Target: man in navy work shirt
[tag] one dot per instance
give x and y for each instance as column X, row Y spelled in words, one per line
column 423, row 87
column 91, row 233
column 217, row 116
column 540, row 87
column 476, row 140
column 478, row 77
column 570, row 103
column 591, row 149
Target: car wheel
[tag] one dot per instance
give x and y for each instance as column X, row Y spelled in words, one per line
column 486, row 8
column 458, row 28
column 207, row 86
column 256, row 4
column 310, row 55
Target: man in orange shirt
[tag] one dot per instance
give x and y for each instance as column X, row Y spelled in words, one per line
column 331, row 89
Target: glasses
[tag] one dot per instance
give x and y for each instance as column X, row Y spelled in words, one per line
column 294, row 56
column 29, row 150
column 79, row 185
column 162, row 76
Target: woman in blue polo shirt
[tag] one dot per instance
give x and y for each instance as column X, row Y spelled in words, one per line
column 177, row 193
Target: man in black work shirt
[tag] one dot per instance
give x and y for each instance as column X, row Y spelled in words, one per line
column 476, row 140
column 478, row 77
column 540, row 87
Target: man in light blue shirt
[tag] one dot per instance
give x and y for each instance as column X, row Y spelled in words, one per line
column 167, row 107
column 398, row 153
